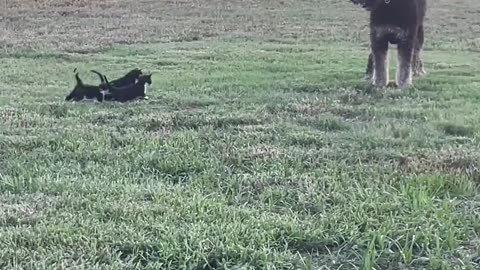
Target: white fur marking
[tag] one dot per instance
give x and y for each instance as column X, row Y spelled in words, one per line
column 145, row 88
column 104, row 93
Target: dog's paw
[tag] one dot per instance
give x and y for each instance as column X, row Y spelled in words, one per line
column 420, row 73
column 392, row 84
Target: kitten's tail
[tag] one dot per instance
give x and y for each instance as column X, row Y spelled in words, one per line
column 79, row 83
column 105, row 80
column 77, row 78
column 102, row 79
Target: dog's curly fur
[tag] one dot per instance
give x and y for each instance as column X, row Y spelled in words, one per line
column 399, row 22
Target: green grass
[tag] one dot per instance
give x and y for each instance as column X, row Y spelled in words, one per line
column 258, row 154
column 249, row 155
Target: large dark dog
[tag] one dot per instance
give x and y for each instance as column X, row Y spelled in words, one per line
column 397, row 22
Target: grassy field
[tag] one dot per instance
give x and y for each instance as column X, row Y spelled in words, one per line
column 261, row 147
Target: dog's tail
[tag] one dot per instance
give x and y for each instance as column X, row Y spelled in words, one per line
column 102, row 78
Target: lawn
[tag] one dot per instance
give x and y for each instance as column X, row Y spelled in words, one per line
column 261, row 147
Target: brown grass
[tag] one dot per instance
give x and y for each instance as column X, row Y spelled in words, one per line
column 86, row 25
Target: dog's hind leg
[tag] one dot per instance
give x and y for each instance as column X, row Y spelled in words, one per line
column 418, row 68
column 404, row 69
column 369, row 72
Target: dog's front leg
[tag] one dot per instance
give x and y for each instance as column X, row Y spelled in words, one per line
column 369, row 71
column 380, row 62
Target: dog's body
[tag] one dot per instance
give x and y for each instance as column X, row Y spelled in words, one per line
column 399, row 22
column 130, row 78
column 130, row 92
column 83, row 91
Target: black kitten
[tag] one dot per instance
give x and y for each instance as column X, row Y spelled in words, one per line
column 130, row 78
column 132, row 91
column 83, row 91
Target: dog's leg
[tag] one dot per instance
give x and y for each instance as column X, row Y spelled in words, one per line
column 380, row 62
column 418, row 68
column 405, row 56
column 369, row 72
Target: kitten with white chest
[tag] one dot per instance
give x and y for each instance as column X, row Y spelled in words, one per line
column 130, row 92
column 130, row 78
column 83, row 91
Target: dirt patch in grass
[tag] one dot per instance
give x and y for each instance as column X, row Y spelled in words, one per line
column 458, row 161
column 23, row 210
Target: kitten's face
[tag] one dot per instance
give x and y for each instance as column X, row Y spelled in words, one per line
column 147, row 79
column 103, row 87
